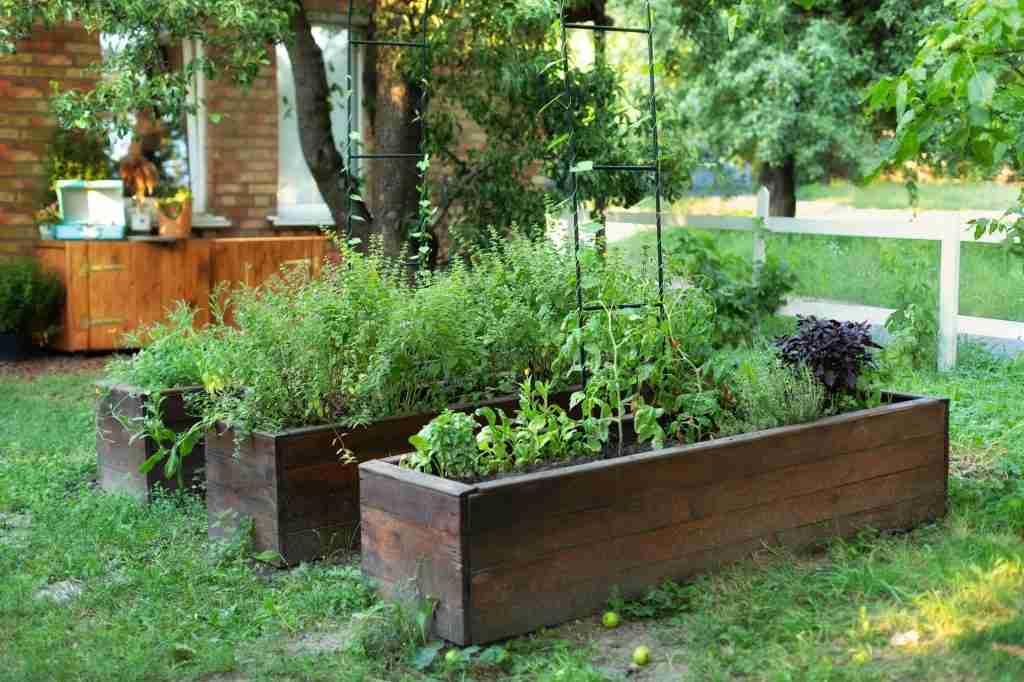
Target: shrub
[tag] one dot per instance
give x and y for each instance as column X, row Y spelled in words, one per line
column 364, row 341
column 837, row 353
column 170, row 354
column 768, row 394
column 740, row 303
column 29, row 298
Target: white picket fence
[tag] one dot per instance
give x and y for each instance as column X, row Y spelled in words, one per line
column 950, row 234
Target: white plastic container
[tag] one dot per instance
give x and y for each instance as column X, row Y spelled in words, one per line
column 90, row 209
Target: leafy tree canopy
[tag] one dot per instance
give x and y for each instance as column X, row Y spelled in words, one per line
column 960, row 103
column 779, row 83
column 496, row 67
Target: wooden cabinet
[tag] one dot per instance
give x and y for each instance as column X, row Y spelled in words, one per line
column 114, row 287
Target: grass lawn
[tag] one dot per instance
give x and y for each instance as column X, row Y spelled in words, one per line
column 158, row 602
column 935, row 196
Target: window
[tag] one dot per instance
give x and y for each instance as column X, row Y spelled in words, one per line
column 298, row 199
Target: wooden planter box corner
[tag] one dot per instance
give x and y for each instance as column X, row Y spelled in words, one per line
column 299, row 493
column 119, row 458
column 506, row 557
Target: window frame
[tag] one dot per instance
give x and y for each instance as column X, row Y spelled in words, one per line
column 318, row 214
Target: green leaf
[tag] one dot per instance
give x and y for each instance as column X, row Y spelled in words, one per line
column 583, row 167
column 981, row 89
column 902, row 93
column 426, row 655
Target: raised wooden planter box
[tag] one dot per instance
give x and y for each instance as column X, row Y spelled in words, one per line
column 118, row 457
column 506, row 557
column 300, row 496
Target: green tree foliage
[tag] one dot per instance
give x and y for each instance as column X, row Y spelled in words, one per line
column 779, row 83
column 499, row 64
column 960, row 104
column 503, row 68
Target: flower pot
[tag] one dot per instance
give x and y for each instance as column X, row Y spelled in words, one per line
column 295, row 487
column 119, row 455
column 506, row 557
column 176, row 223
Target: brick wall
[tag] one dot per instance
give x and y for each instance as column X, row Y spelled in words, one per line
column 242, row 152
column 26, row 126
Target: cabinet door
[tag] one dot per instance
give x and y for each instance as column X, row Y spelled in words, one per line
column 111, row 285
column 251, row 262
column 168, row 273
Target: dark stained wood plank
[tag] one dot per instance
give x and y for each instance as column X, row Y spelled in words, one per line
column 661, row 506
column 546, row 493
column 561, row 570
column 550, row 608
column 426, row 559
column 439, row 508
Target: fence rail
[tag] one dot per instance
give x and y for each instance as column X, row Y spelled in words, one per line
column 951, row 234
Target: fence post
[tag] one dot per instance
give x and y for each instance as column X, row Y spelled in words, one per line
column 949, row 296
column 763, row 210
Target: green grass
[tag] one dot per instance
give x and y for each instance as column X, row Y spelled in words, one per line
column 161, row 603
column 851, row 269
column 934, row 196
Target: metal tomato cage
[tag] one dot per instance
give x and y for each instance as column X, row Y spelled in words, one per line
column 571, row 165
column 654, row 167
column 353, row 104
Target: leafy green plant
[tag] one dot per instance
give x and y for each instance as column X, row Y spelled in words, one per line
column 741, row 300
column 915, row 324
column 75, row 154
column 446, row 446
column 29, row 298
column 768, row 394
column 170, row 353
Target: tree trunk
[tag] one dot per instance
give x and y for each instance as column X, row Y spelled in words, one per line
column 781, row 183
column 312, row 110
column 394, row 127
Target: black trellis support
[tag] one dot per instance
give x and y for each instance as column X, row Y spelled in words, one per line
column 654, row 167
column 353, row 104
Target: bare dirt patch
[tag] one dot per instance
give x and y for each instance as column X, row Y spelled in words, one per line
column 55, row 363
column 613, row 649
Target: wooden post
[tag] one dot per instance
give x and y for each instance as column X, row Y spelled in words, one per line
column 949, row 297
column 763, row 213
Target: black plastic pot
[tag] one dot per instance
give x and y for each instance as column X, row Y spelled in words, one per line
column 13, row 347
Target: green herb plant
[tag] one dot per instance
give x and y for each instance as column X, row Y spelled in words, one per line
column 29, row 298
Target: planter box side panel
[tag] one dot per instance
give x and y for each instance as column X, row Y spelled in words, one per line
column 412, row 547
column 318, row 495
column 575, row 536
column 119, row 457
column 242, row 488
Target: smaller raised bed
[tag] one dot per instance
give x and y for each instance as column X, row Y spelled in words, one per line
column 297, row 488
column 508, row 556
column 119, row 457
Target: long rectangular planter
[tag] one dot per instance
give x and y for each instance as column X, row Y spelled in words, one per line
column 508, row 556
column 296, row 489
column 119, row 457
